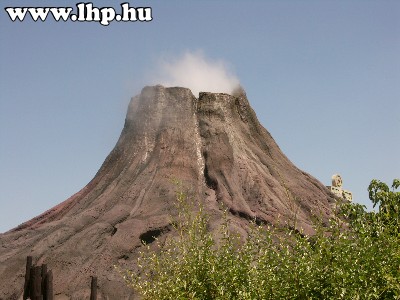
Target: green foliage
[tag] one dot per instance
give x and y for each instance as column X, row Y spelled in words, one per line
column 356, row 257
column 389, row 204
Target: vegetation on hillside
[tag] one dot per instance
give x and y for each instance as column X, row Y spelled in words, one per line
column 357, row 256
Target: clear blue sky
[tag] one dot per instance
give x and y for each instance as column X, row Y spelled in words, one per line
column 322, row 76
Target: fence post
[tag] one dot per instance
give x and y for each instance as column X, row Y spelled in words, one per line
column 36, row 280
column 31, row 279
column 48, row 295
column 43, row 284
column 27, row 277
column 93, row 288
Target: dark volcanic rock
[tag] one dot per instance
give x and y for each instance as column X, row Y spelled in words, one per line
column 214, row 144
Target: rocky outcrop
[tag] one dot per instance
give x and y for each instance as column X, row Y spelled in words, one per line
column 214, row 144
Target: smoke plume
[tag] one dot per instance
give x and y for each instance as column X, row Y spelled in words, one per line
column 199, row 74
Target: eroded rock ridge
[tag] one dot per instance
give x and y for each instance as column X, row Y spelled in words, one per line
column 214, row 144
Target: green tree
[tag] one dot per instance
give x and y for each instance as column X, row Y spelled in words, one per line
column 388, row 202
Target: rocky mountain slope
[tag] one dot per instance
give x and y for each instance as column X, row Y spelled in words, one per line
column 214, row 144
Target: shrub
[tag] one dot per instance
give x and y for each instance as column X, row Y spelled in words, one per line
column 357, row 256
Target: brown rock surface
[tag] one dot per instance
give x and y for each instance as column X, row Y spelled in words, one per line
column 214, row 144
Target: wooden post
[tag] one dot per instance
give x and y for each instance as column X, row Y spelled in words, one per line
column 31, row 279
column 43, row 285
column 93, row 288
column 48, row 295
column 36, row 292
column 27, row 277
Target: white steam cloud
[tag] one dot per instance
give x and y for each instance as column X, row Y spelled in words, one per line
column 194, row 71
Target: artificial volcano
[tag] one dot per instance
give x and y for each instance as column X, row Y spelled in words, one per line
column 214, row 144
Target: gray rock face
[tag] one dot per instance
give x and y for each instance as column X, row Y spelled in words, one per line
column 214, row 144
